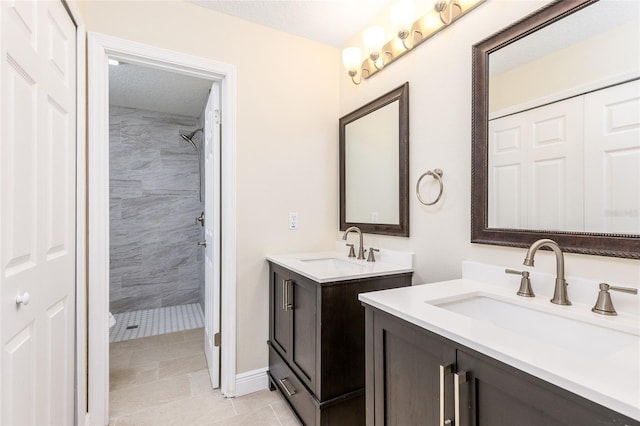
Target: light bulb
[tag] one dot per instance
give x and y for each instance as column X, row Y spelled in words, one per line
column 351, row 58
column 402, row 16
column 373, row 42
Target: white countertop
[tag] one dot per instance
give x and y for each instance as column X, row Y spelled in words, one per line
column 613, row 381
column 387, row 262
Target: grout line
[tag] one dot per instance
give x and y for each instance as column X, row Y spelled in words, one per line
column 233, row 406
column 275, row 414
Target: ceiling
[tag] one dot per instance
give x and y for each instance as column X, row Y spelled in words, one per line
column 575, row 28
column 137, row 86
column 331, row 22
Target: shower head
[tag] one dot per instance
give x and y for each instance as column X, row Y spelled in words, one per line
column 189, row 138
column 192, row 134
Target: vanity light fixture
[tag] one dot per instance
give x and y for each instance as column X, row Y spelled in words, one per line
column 408, row 33
column 402, row 15
column 445, row 8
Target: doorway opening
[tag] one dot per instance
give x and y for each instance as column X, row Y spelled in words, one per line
column 201, row 140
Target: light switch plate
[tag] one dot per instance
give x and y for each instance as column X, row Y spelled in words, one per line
column 293, row 220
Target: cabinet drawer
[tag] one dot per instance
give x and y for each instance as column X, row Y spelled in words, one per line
column 292, row 389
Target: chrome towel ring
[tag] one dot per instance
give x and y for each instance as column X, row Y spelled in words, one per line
column 437, row 175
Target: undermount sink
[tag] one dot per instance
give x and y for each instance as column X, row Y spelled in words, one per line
column 333, row 263
column 587, row 339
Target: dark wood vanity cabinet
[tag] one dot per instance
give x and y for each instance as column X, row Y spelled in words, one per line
column 405, row 365
column 316, row 344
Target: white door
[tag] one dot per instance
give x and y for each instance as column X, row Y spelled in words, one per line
column 555, row 184
column 212, row 232
column 37, row 212
column 508, row 150
column 535, row 168
column 612, row 158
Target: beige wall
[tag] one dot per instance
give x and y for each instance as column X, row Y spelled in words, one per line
column 439, row 74
column 568, row 71
column 287, row 114
column 287, row 158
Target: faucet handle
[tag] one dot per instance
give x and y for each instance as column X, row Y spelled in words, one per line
column 525, row 289
column 604, row 305
column 371, row 257
column 352, row 252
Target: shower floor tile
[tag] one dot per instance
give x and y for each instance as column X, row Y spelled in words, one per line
column 152, row 322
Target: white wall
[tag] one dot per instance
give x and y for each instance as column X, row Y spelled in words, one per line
column 439, row 75
column 286, row 136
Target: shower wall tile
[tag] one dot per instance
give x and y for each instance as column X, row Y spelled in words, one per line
column 120, row 188
column 154, row 200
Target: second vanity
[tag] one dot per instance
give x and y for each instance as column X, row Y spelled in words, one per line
column 316, row 329
column 471, row 352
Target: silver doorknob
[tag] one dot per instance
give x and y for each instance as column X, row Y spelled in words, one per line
column 23, row 300
column 202, row 243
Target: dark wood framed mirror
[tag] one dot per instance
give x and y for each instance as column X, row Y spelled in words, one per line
column 499, row 193
column 374, row 165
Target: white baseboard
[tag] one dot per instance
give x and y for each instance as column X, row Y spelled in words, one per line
column 252, row 381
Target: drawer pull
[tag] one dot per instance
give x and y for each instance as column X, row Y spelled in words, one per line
column 444, row 370
column 286, row 389
column 286, row 306
column 458, row 379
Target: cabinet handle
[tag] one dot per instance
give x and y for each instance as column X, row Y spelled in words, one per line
column 284, row 295
column 444, row 370
column 286, row 306
column 286, row 389
column 458, row 379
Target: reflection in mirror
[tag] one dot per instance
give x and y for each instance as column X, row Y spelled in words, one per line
column 374, row 149
column 371, row 167
column 557, row 129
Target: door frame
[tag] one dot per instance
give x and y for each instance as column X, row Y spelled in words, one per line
column 101, row 47
column 80, row 354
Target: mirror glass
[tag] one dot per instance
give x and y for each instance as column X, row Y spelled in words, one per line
column 373, row 163
column 557, row 127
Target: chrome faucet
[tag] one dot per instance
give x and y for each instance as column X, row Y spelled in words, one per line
column 560, row 292
column 361, row 248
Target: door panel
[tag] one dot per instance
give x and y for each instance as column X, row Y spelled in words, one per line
column 535, row 168
column 507, row 163
column 303, row 294
column 496, row 394
column 58, row 321
column 556, row 168
column 612, row 139
column 281, row 337
column 37, row 212
column 19, row 368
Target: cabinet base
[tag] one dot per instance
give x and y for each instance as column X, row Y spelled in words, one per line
column 348, row 409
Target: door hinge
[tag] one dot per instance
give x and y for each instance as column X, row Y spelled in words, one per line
column 217, row 116
column 216, row 340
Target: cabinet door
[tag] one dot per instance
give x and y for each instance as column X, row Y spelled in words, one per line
column 495, row 394
column 279, row 313
column 406, row 383
column 303, row 328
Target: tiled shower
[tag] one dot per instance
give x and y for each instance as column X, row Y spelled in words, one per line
column 154, row 200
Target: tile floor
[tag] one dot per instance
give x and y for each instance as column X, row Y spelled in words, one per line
column 151, row 322
column 163, row 380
